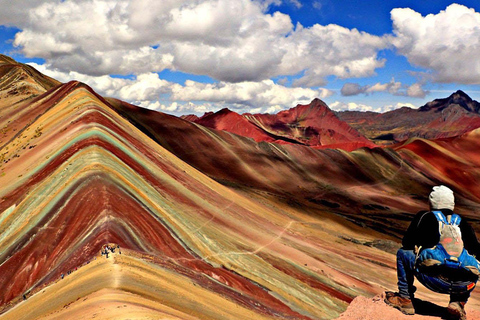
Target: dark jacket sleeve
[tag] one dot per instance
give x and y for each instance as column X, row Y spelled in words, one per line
column 423, row 231
column 408, row 241
column 469, row 238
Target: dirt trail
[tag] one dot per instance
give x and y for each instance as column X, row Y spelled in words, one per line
column 125, row 286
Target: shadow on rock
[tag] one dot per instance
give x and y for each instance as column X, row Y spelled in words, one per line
column 427, row 308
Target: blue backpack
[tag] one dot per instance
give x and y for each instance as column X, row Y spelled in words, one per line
column 449, row 251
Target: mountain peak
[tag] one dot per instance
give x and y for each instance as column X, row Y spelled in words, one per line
column 315, row 103
column 457, row 98
column 313, row 124
column 225, row 111
column 461, row 94
column 224, row 119
column 306, row 110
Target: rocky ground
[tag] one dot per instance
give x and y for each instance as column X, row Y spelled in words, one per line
column 363, row 308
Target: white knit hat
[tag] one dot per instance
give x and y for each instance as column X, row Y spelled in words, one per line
column 442, row 198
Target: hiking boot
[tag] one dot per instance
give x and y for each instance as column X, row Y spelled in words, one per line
column 403, row 304
column 456, row 310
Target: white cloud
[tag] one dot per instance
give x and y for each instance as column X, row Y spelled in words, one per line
column 352, row 106
column 255, row 94
column 179, row 108
column 148, row 90
column 393, row 87
column 13, row 12
column 446, row 43
column 416, row 91
column 229, row 40
column 330, row 50
column 296, row 3
column 398, row 105
column 352, row 89
column 144, row 87
column 271, row 110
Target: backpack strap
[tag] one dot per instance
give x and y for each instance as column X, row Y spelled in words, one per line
column 455, row 220
column 440, row 217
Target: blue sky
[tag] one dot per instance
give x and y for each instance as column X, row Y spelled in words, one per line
column 185, row 56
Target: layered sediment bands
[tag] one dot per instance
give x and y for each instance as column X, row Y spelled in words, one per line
column 376, row 185
column 455, row 161
column 125, row 282
column 91, row 177
column 348, row 180
column 211, row 225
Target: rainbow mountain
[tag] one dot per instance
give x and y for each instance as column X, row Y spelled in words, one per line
column 207, row 224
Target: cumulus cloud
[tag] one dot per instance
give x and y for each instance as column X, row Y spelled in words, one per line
column 143, row 87
column 352, row 89
column 13, row 12
column 393, row 87
column 148, row 90
column 330, row 50
column 264, row 93
column 352, row 106
column 178, row 108
column 228, row 40
column 445, row 43
column 416, row 91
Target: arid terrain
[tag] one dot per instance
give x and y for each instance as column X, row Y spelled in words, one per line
column 225, row 216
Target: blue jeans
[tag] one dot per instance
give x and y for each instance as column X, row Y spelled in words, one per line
column 406, row 274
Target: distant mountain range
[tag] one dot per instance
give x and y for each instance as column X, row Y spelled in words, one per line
column 313, row 125
column 317, row 126
column 440, row 118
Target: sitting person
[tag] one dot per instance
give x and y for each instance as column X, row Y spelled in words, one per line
column 439, row 249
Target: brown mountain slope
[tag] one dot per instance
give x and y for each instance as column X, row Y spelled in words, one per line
column 313, row 125
column 20, row 81
column 441, row 118
column 233, row 122
column 347, row 182
column 93, row 178
column 77, row 175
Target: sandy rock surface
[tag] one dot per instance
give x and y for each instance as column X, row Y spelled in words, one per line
column 363, row 308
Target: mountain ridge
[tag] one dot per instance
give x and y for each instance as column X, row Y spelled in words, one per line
column 203, row 217
column 459, row 98
column 20, row 82
column 440, row 118
column 317, row 126
column 314, row 125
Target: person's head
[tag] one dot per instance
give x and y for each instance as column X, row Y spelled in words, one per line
column 441, row 197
